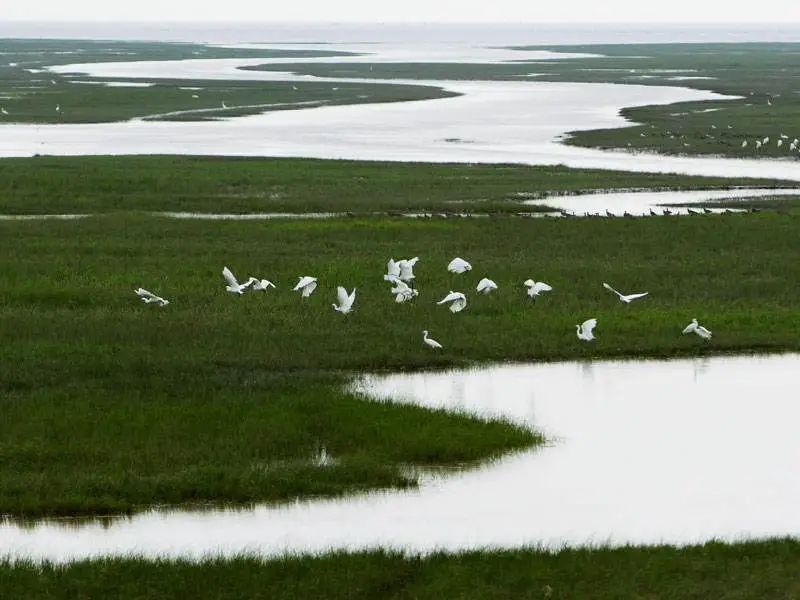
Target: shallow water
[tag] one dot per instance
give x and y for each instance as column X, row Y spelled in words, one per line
column 640, row 452
column 641, row 203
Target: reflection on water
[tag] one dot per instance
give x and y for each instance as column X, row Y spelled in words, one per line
column 644, row 203
column 641, row 452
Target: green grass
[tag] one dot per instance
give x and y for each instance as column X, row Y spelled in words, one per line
column 33, row 97
column 725, row 572
column 179, row 183
column 188, row 403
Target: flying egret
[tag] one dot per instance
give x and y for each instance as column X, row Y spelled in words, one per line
column 458, row 301
column 402, row 292
column 407, row 268
column 459, row 265
column 392, row 271
column 345, row 301
column 260, row 285
column 585, row 330
column 623, row 298
column 536, row 287
column 430, row 341
column 150, row 297
column 306, row 286
column 233, row 286
column 486, row 286
column 695, row 327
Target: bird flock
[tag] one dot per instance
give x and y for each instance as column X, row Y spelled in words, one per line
column 400, row 275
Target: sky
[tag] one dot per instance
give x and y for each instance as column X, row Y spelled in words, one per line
column 511, row 11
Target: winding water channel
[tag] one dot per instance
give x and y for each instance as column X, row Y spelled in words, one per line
column 639, row 452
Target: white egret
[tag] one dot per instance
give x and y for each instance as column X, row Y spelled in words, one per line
column 459, row 265
column 758, row 144
column 3, row 110
column 403, row 293
column 233, row 286
column 765, row 141
column 585, row 331
column 345, row 301
column 623, row 298
column 780, row 143
column 224, row 105
column 392, row 271
column 536, row 287
column 407, row 268
column 744, row 144
column 260, row 285
column 695, row 327
column 430, row 341
column 58, row 108
column 150, row 297
column 457, row 300
column 486, row 286
column 306, row 286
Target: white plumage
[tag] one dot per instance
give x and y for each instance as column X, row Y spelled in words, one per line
column 536, row 287
column 430, row 341
column 232, row 285
column 585, row 330
column 486, row 286
column 627, row 299
column 345, row 300
column 696, row 328
column 306, row 286
column 457, row 300
column 150, row 297
column 459, row 265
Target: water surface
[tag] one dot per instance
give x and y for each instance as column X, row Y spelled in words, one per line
column 640, row 452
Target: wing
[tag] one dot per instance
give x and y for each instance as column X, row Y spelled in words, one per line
column 455, row 264
column 529, row 283
column 637, row 296
column 689, row 328
column 400, row 298
column 352, row 297
column 392, row 268
column 229, row 278
column 341, row 296
column 459, row 304
column 483, row 284
column 392, row 278
column 412, row 261
column 303, row 282
column 309, row 289
column 144, row 294
column 609, row 288
column 265, row 283
column 400, row 288
column 589, row 325
column 449, row 298
column 541, row 286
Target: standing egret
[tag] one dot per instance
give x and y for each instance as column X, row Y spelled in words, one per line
column 585, row 330
column 407, row 268
column 224, row 105
column 536, row 287
column 744, row 144
column 58, row 108
column 780, row 143
column 260, row 285
column 695, row 327
column 345, row 301
column 430, row 341
column 459, row 265
column 623, row 298
column 3, row 110
column 150, row 297
column 306, row 286
column 486, row 286
column 765, row 141
column 758, row 144
column 403, row 293
column 233, row 286
column 458, row 301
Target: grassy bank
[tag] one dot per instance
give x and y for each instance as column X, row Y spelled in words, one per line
column 178, row 183
column 110, row 404
column 740, row 571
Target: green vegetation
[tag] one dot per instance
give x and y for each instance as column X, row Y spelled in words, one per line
column 764, row 76
column 154, row 183
column 221, row 398
column 32, row 97
column 736, row 572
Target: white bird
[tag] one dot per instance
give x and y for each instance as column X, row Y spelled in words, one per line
column 345, row 301
column 402, row 292
column 407, row 268
column 486, row 286
column 626, row 299
column 536, row 287
column 780, row 143
column 695, row 327
column 195, row 96
column 150, row 297
column 457, row 299
column 459, row 265
column 260, row 285
column 792, row 147
column 3, row 110
column 765, row 141
column 224, row 105
column 306, row 286
column 233, row 286
column 392, row 271
column 430, row 341
column 758, row 144
column 58, row 108
column 744, row 144
column 585, row 330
